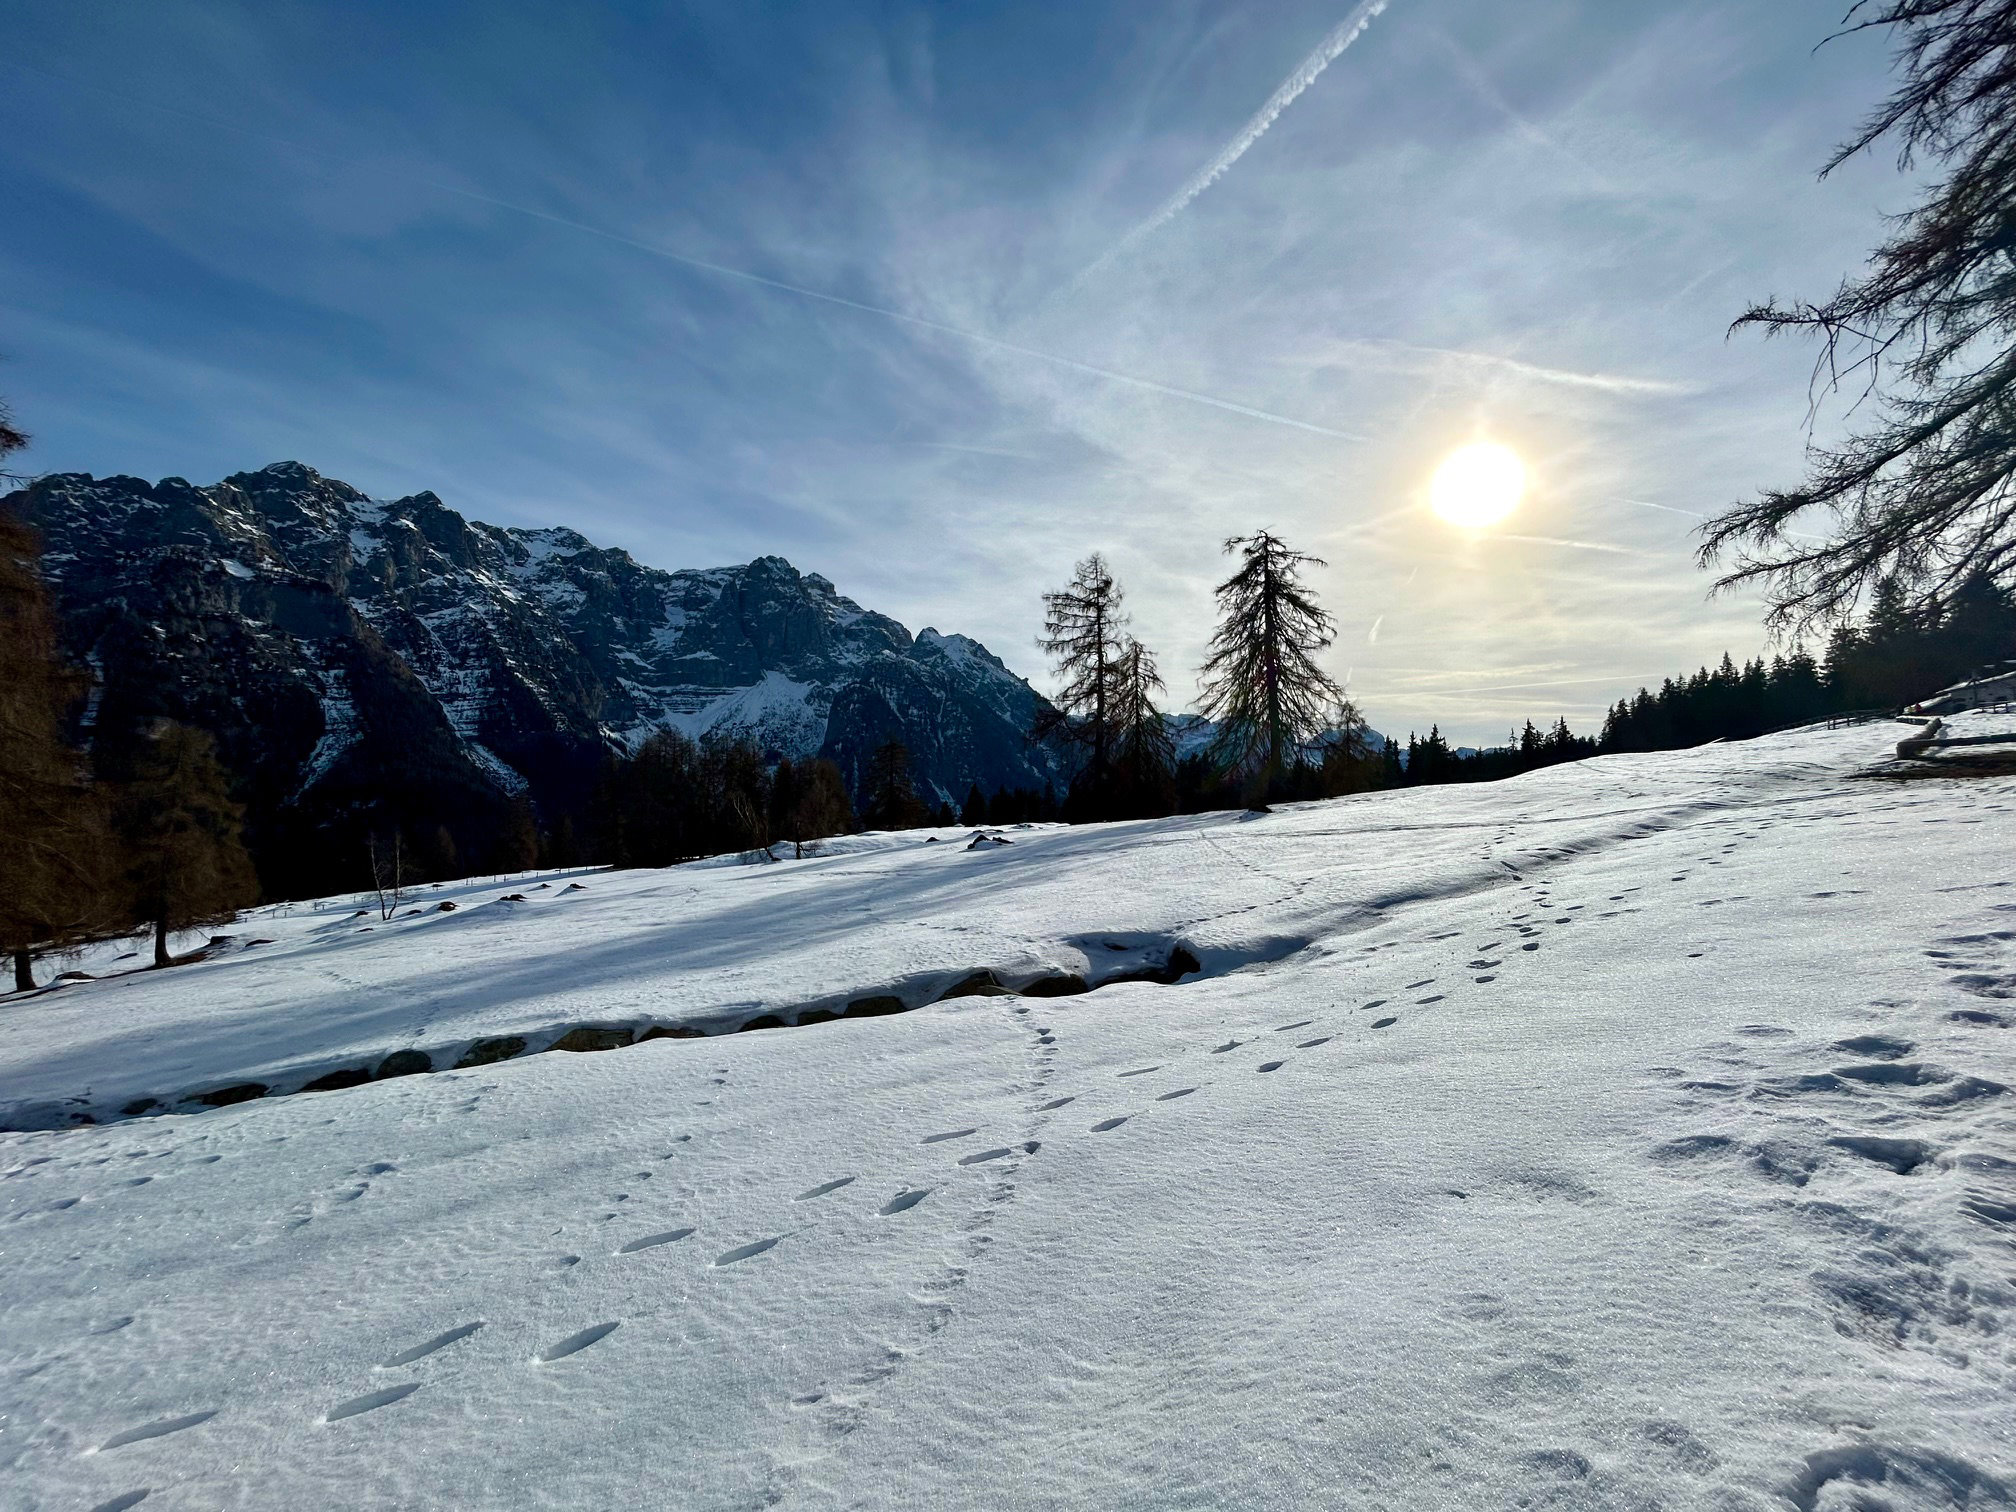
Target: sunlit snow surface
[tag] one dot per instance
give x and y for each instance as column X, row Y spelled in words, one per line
column 1630, row 1135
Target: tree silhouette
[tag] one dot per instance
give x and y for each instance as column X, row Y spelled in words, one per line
column 1261, row 685
column 1144, row 756
column 180, row 830
column 1081, row 634
column 1925, row 495
column 892, row 801
column 53, row 837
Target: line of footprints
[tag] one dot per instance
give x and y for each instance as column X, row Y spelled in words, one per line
column 902, row 1202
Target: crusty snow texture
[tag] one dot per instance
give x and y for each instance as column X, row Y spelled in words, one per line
column 1633, row 1134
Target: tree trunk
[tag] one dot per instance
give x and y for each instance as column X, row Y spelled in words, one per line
column 24, row 971
column 161, row 957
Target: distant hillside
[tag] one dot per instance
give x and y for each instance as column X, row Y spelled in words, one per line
column 342, row 647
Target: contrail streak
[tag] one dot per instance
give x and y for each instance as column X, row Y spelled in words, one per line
column 1327, row 52
column 722, row 270
column 1578, row 545
column 1663, row 508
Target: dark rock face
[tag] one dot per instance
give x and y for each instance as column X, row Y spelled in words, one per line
column 341, row 647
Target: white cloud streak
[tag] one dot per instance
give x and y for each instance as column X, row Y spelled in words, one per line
column 1327, row 52
column 1577, row 545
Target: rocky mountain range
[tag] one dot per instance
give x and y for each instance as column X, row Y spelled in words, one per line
column 336, row 644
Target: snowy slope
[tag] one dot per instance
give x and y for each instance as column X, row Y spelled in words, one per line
column 1633, row 1134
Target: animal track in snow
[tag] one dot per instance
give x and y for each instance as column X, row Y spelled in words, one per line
column 980, row 1157
column 574, row 1343
column 1272, row 1065
column 158, row 1429
column 433, row 1345
column 371, row 1401
column 1321, row 1039
column 1382, row 1023
column 652, row 1241
column 1172, row 1096
column 747, row 1251
column 1375, row 1003
column 1424, row 1002
column 823, row 1188
column 941, row 1138
column 1142, row 1072
column 1109, row 1123
column 1424, row 982
column 902, row 1202
column 122, row 1501
column 1902, row 1155
column 1055, row 1103
column 1298, row 1024
column 1228, row 1045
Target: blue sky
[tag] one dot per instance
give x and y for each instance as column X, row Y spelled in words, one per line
column 517, row 253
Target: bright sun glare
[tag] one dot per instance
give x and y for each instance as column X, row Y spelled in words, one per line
column 1477, row 485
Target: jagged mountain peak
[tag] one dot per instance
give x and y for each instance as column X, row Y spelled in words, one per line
column 325, row 635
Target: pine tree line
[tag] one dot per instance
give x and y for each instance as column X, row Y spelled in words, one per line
column 1898, row 655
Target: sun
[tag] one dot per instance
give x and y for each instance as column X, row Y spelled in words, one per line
column 1477, row 485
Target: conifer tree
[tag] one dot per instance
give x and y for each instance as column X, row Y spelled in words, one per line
column 974, row 810
column 53, row 837
column 1924, row 495
column 185, row 863
column 817, row 804
column 1081, row 634
column 892, row 801
column 649, row 802
column 1144, row 755
column 1261, row 685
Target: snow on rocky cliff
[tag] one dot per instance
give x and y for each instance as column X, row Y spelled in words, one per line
column 258, row 605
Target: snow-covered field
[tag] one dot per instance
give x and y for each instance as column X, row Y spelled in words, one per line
column 1630, row 1135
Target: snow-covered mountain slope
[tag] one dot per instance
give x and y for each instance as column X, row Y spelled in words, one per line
column 1632, row 1134
column 318, row 631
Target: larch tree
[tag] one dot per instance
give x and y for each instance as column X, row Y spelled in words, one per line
column 1144, row 755
column 808, row 802
column 54, row 843
column 1082, row 622
column 180, row 831
column 1923, row 341
column 892, row 802
column 1262, row 686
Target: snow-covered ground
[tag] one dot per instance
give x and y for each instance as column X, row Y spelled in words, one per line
column 1629, row 1135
